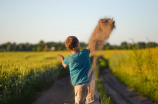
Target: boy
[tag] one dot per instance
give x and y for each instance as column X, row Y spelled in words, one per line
column 79, row 66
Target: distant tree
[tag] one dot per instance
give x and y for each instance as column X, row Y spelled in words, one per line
column 124, row 45
column 1, row 50
column 14, row 48
column 4, row 46
column 151, row 44
column 34, row 49
column 8, row 46
column 115, row 47
column 39, row 48
column 129, row 46
column 141, row 45
column 83, row 45
column 27, row 47
column 107, row 46
column 59, row 48
column 21, row 47
column 41, row 43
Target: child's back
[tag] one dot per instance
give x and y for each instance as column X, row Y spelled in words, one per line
column 79, row 66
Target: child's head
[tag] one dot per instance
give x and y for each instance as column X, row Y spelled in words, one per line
column 71, row 43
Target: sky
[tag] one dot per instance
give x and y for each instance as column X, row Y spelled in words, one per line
column 30, row 21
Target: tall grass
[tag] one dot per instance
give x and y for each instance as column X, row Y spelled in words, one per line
column 24, row 74
column 105, row 97
column 137, row 69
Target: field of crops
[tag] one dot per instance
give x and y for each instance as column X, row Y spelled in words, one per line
column 22, row 74
column 136, row 68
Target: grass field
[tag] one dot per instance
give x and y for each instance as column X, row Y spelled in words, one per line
column 22, row 74
column 25, row 74
column 102, row 63
column 136, row 68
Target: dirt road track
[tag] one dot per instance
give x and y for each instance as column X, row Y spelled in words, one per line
column 120, row 93
column 60, row 93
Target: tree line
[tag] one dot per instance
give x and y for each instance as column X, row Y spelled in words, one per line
column 60, row 46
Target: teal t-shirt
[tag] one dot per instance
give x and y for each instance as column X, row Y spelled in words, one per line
column 79, row 66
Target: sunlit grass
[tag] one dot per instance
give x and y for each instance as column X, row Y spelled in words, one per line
column 136, row 68
column 104, row 96
column 24, row 73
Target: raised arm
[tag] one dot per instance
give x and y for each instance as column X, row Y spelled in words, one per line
column 62, row 60
column 88, row 47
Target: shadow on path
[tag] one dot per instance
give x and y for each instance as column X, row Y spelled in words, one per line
column 120, row 93
column 60, row 93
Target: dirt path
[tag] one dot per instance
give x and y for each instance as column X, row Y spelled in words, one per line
column 60, row 93
column 120, row 93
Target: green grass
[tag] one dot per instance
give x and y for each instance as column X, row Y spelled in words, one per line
column 23, row 75
column 136, row 68
column 105, row 97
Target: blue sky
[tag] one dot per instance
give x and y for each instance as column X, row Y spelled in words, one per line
column 30, row 21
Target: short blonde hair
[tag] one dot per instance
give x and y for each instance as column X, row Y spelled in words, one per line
column 71, row 42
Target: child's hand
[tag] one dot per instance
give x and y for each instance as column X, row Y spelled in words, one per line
column 61, row 57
